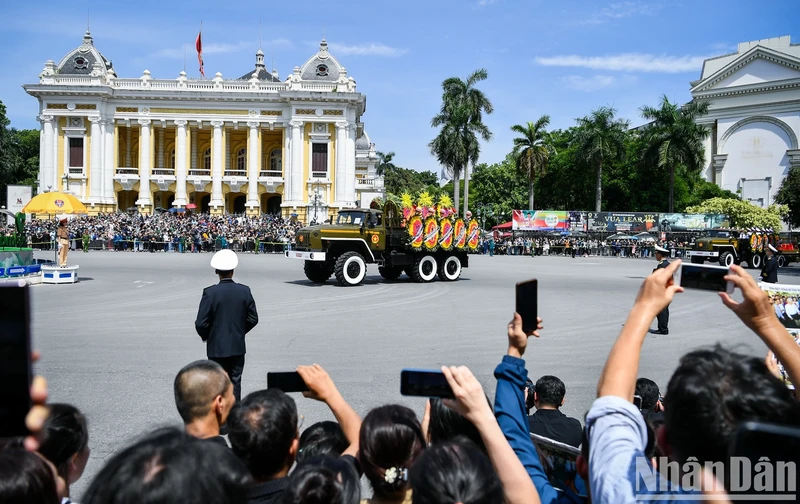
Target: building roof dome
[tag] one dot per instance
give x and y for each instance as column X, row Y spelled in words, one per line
column 260, row 71
column 363, row 142
column 82, row 59
column 322, row 66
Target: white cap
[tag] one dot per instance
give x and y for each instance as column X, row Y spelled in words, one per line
column 773, row 248
column 225, row 260
column 661, row 249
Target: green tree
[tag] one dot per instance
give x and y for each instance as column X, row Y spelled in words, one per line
column 401, row 180
column 19, row 155
column 789, row 195
column 743, row 214
column 673, row 138
column 384, row 164
column 532, row 152
column 600, row 138
column 461, row 119
column 499, row 189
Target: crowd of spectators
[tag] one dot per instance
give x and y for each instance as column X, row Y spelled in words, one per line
column 583, row 246
column 171, row 232
column 463, row 450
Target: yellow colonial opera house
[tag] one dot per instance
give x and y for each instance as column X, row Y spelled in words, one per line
column 254, row 144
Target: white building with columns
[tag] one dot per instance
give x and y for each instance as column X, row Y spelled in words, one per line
column 251, row 145
column 754, row 117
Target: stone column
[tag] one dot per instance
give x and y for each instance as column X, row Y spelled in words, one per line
column 227, row 152
column 296, row 194
column 350, row 176
column 128, row 159
column 254, row 155
column 216, row 165
column 180, row 163
column 194, row 143
column 341, row 163
column 160, row 150
column 47, row 165
column 108, row 163
column 95, row 173
column 144, row 163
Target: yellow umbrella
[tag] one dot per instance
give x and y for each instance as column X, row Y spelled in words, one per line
column 52, row 203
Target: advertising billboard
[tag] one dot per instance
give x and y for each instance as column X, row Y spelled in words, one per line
column 540, row 220
column 678, row 222
column 17, row 197
column 615, row 222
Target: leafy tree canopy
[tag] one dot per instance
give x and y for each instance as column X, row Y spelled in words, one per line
column 789, row 195
column 743, row 214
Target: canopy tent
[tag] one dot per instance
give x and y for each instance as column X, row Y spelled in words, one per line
column 507, row 225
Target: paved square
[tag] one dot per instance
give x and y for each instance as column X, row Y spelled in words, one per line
column 112, row 344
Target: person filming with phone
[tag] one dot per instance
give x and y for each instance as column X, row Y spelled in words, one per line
column 663, row 316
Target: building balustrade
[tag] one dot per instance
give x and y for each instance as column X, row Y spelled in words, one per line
column 200, row 173
column 76, row 171
column 235, row 173
column 191, row 85
column 271, row 173
column 127, row 171
column 164, row 171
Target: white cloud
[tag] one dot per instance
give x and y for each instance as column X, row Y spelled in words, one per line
column 620, row 10
column 485, row 3
column 371, row 49
column 213, row 48
column 596, row 82
column 628, row 62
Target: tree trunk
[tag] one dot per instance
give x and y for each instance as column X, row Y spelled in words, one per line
column 530, row 194
column 466, row 189
column 598, row 197
column 456, row 188
column 671, row 186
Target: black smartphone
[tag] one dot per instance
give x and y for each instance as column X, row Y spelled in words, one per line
column 779, row 443
column 424, row 383
column 637, row 401
column 527, row 304
column 287, row 381
column 15, row 359
column 703, row 277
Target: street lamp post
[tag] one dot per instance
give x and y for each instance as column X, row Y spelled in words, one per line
column 316, row 200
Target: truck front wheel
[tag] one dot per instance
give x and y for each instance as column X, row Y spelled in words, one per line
column 350, row 269
column 317, row 272
column 424, row 268
column 450, row 269
column 726, row 259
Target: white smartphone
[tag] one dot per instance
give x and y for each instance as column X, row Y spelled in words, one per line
column 704, row 277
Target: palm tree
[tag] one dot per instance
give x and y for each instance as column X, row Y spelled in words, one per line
column 600, row 138
column 532, row 151
column 384, row 164
column 461, row 118
column 674, row 138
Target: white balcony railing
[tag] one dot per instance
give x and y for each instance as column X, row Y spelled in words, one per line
column 75, row 171
column 271, row 173
column 170, row 172
column 200, row 173
column 319, row 175
column 235, row 173
column 193, row 85
column 127, row 171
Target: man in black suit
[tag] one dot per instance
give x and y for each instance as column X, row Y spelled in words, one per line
column 769, row 272
column 227, row 312
column 663, row 317
column 548, row 420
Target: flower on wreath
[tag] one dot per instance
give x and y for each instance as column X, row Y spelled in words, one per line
column 425, row 199
column 445, row 201
column 406, row 201
column 394, row 474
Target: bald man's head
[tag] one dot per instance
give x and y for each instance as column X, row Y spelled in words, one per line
column 196, row 386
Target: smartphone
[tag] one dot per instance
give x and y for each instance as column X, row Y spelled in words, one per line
column 779, row 443
column 15, row 359
column 703, row 277
column 287, row 381
column 424, row 383
column 527, row 304
column 637, row 401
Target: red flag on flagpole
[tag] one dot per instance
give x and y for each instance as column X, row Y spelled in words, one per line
column 199, row 46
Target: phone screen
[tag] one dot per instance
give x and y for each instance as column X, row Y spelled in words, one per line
column 779, row 443
column 287, row 381
column 424, row 383
column 527, row 304
column 696, row 276
column 637, row 401
column 15, row 360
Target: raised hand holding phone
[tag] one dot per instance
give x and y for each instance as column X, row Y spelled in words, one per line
column 528, row 304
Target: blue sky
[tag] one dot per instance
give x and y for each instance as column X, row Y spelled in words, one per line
column 561, row 58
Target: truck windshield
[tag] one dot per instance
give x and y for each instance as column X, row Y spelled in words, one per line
column 352, row 218
column 719, row 234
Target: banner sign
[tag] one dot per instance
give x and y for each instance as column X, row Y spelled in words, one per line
column 577, row 221
column 17, row 197
column 785, row 300
column 540, row 220
column 677, row 222
column 613, row 222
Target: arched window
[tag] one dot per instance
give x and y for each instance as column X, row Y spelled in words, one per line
column 172, row 159
column 207, row 159
column 241, row 159
column 276, row 160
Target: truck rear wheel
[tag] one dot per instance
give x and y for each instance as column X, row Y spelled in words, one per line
column 726, row 259
column 697, row 260
column 781, row 261
column 350, row 269
column 317, row 272
column 450, row 269
column 424, row 268
column 756, row 261
column 390, row 273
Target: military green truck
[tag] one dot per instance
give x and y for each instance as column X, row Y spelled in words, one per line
column 363, row 236
column 733, row 246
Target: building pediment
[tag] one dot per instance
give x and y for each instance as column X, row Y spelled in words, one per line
column 756, row 68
